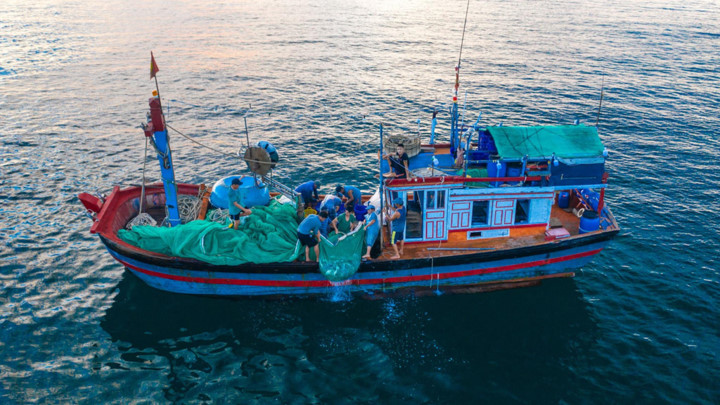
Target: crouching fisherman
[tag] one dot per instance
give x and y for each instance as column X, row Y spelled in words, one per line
column 234, row 198
column 372, row 229
column 309, row 192
column 308, row 233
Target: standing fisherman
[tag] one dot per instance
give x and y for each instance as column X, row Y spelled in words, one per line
column 234, row 199
column 397, row 227
column 372, row 229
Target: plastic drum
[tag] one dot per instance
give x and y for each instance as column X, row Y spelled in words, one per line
column 589, row 222
column 251, row 194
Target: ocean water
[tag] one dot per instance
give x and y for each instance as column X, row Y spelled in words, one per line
column 640, row 324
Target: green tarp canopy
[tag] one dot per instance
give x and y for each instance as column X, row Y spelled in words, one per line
column 565, row 141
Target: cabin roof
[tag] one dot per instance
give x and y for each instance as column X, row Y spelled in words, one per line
column 565, row 141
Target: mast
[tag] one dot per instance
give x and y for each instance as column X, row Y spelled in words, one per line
column 381, row 190
column 157, row 134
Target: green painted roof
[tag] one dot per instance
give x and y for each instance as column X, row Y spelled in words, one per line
column 565, row 141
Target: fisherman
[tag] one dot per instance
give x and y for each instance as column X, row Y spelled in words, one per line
column 274, row 157
column 332, row 204
column 234, row 199
column 309, row 192
column 399, row 162
column 345, row 222
column 308, row 233
column 352, row 194
column 460, row 158
column 397, row 227
column 326, row 224
column 372, row 229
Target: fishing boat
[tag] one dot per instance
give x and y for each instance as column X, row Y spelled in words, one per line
column 527, row 205
column 495, row 207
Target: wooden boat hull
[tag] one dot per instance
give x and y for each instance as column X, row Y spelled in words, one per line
column 486, row 270
column 461, row 272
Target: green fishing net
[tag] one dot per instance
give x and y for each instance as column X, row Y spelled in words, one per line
column 340, row 255
column 269, row 235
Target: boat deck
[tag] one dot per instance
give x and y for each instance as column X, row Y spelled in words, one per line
column 521, row 237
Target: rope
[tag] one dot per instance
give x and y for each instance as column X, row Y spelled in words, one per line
column 198, row 143
column 211, row 148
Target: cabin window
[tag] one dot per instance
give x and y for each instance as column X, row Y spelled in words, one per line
column 430, row 200
column 441, row 199
column 522, row 211
column 480, row 211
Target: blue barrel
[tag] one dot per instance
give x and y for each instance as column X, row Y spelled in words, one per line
column 514, row 171
column 496, row 169
column 563, row 199
column 251, row 195
column 589, row 222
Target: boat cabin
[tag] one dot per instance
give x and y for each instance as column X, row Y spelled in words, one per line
column 509, row 181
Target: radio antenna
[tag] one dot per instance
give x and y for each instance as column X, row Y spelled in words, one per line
column 602, row 93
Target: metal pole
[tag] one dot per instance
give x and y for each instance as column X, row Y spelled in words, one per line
column 382, row 192
column 247, row 134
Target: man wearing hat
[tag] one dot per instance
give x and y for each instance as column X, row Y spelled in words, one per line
column 234, row 199
column 397, row 226
column 372, row 229
column 309, row 192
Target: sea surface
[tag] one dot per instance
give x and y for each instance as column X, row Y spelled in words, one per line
column 640, row 324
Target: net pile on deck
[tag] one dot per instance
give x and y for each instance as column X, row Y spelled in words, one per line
column 269, row 235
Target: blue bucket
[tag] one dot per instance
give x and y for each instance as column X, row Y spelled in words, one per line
column 360, row 212
column 589, row 222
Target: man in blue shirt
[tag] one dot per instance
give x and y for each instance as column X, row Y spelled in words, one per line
column 332, row 204
column 309, row 192
column 397, row 225
column 352, row 194
column 372, row 229
column 234, row 199
column 308, row 233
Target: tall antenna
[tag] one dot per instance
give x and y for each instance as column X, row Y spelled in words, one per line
column 463, row 34
column 602, row 92
column 454, row 110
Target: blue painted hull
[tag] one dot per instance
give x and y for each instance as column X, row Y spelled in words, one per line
column 448, row 273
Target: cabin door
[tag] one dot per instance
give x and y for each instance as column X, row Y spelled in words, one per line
column 435, row 215
column 503, row 212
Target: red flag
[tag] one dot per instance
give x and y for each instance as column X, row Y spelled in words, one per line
column 153, row 66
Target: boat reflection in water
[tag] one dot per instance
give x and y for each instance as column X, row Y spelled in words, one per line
column 240, row 350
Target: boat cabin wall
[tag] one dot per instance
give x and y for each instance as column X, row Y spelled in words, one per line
column 426, row 211
column 489, row 213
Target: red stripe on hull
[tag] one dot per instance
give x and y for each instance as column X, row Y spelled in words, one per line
column 326, row 283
